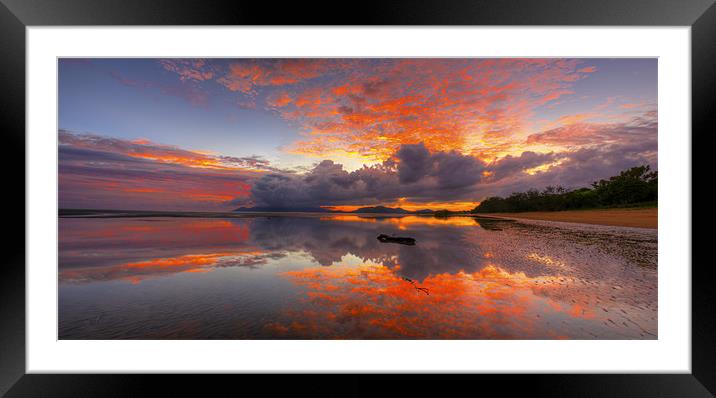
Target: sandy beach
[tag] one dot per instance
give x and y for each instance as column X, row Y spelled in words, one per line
column 640, row 218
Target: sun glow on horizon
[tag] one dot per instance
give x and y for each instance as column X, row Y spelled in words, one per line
column 405, row 204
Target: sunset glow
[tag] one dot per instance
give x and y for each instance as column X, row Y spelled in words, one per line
column 421, row 133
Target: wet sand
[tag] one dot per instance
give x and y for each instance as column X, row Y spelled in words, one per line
column 639, row 218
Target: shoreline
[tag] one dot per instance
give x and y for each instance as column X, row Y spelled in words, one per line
column 620, row 217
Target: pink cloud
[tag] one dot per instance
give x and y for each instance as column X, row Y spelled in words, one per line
column 102, row 172
column 189, row 69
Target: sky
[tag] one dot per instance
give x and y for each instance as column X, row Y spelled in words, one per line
column 440, row 133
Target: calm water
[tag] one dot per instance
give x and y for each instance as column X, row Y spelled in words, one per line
column 325, row 277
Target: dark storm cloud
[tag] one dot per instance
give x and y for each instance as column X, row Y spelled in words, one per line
column 451, row 170
column 416, row 173
column 579, row 168
column 414, row 159
column 509, row 165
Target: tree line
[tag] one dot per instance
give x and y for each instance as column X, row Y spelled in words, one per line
column 635, row 186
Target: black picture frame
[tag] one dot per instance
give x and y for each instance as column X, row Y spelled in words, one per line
column 16, row 15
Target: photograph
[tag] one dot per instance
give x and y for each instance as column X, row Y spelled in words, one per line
column 249, row 191
column 357, row 198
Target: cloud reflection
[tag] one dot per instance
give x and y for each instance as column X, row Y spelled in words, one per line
column 371, row 301
column 158, row 267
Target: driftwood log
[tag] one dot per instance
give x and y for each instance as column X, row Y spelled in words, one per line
column 396, row 239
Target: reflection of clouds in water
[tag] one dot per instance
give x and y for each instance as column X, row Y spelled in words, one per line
column 372, row 302
column 445, row 246
column 158, row 267
column 485, row 278
column 442, row 247
column 113, row 241
column 448, row 245
column 568, row 273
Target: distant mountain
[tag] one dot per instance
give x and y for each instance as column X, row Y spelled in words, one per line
column 424, row 211
column 371, row 209
column 381, row 209
column 270, row 209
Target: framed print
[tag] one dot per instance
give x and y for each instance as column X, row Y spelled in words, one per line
column 465, row 188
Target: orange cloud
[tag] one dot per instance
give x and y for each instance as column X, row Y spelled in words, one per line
column 189, row 68
column 204, row 191
column 246, row 75
column 142, row 190
column 447, row 104
column 280, row 100
column 366, row 108
column 145, row 149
